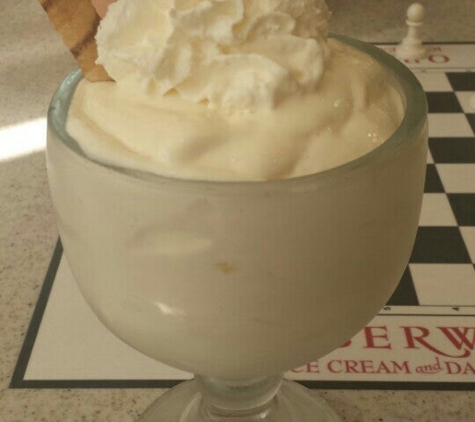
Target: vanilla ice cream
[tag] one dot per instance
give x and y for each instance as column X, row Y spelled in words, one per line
column 230, row 90
column 236, row 280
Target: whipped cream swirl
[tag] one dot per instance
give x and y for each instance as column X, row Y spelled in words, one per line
column 235, row 55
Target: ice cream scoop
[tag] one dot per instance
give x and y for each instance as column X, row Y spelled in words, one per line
column 230, row 90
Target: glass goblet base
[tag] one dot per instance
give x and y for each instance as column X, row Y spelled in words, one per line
column 267, row 399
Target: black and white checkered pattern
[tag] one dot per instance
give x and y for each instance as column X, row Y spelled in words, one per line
column 441, row 271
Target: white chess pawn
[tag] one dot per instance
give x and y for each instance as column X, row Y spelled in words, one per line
column 411, row 47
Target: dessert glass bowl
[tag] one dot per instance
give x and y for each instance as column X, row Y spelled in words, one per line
column 239, row 281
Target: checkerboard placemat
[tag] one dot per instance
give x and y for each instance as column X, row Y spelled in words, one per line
column 424, row 338
column 441, row 269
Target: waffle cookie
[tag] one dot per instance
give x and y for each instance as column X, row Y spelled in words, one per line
column 77, row 21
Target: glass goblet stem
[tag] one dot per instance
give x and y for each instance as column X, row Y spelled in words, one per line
column 222, row 399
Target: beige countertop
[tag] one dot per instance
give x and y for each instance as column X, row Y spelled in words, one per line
column 32, row 63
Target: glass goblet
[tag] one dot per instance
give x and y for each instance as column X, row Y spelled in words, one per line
column 237, row 282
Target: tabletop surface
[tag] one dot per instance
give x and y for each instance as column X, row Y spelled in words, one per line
column 32, row 63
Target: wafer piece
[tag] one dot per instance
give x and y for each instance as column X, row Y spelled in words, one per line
column 77, row 22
